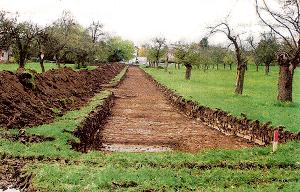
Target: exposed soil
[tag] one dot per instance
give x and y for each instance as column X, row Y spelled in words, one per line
column 26, row 138
column 89, row 131
column 28, row 99
column 143, row 116
column 11, row 175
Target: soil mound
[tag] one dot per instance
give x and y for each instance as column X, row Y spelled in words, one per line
column 28, row 98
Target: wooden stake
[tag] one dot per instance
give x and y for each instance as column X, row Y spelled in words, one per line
column 275, row 140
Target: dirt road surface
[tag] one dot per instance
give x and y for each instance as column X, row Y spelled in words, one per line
column 142, row 120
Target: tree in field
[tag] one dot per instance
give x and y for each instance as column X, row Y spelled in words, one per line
column 217, row 54
column 83, row 48
column 120, row 50
column 283, row 19
column 159, row 49
column 150, row 53
column 21, row 36
column 59, row 36
column 228, row 59
column 204, row 43
column 187, row 55
column 266, row 51
column 96, row 31
column 252, row 51
column 240, row 58
column 5, row 42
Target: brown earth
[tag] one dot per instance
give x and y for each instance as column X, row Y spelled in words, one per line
column 25, row 104
column 142, row 117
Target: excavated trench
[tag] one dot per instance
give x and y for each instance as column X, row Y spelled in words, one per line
column 143, row 120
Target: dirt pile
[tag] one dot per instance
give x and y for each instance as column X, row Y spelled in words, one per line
column 30, row 99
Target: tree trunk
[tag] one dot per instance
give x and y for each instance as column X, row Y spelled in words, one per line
column 267, row 69
column 41, row 57
column 42, row 65
column 166, row 64
column 240, row 79
column 188, row 71
column 217, row 66
column 285, row 84
column 57, row 62
column 256, row 68
column 230, row 66
column 8, row 56
column 224, row 66
column 22, row 60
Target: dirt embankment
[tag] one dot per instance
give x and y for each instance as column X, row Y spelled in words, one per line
column 89, row 132
column 30, row 99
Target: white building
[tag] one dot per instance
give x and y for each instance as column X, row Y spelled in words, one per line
column 4, row 56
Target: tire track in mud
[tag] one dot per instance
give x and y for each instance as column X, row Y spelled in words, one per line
column 143, row 120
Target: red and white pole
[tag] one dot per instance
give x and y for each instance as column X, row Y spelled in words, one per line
column 275, row 140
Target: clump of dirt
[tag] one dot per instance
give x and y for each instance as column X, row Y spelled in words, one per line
column 27, row 138
column 12, row 176
column 29, row 99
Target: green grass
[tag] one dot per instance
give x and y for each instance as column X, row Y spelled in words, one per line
column 172, row 171
column 169, row 171
column 215, row 89
column 117, row 78
column 36, row 66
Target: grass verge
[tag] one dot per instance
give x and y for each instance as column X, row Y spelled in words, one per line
column 36, row 66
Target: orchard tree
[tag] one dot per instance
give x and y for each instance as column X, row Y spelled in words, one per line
column 283, row 19
column 252, row 50
column 21, row 35
column 217, row 54
column 266, row 50
column 187, row 55
column 59, row 36
column 159, row 49
column 204, row 43
column 120, row 50
column 240, row 58
column 228, row 59
column 96, row 31
column 150, row 53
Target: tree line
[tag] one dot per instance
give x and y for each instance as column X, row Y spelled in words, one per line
column 62, row 41
column 281, row 46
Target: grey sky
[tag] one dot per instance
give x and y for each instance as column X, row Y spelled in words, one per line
column 141, row 20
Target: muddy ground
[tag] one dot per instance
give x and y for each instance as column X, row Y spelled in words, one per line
column 30, row 99
column 143, row 120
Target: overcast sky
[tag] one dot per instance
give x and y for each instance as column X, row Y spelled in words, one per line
column 141, row 20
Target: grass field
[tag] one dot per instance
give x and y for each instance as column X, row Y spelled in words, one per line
column 215, row 89
column 36, row 66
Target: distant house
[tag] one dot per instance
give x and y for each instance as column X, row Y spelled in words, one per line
column 4, row 56
column 140, row 60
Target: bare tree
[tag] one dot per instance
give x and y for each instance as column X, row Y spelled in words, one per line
column 284, row 20
column 95, row 30
column 241, row 60
column 253, row 46
column 159, row 45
